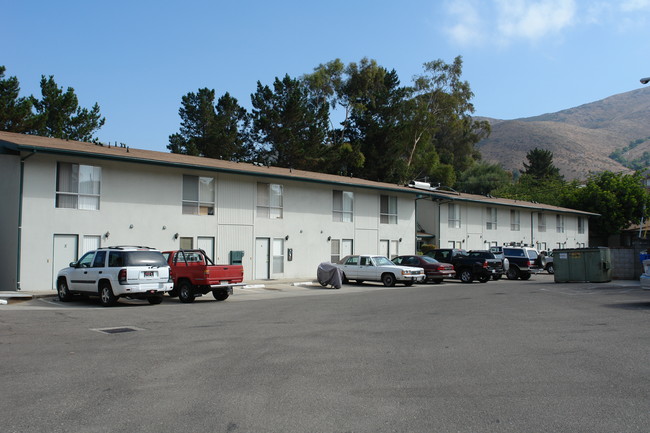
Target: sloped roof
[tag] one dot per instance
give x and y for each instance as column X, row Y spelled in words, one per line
column 33, row 143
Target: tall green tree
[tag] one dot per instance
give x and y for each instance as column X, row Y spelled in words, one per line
column 15, row 111
column 540, row 165
column 483, row 178
column 214, row 130
column 59, row 115
column 290, row 124
column 620, row 199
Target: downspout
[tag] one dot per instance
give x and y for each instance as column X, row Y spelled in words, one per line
column 20, row 216
column 532, row 240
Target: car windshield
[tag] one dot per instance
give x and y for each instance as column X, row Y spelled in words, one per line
column 382, row 261
column 144, row 258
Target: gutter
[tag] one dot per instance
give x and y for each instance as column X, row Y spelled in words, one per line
column 20, row 214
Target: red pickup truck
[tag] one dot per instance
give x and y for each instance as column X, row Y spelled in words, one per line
column 194, row 274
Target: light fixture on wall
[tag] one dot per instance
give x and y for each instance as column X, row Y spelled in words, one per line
column 286, row 238
column 400, row 239
column 175, row 236
column 131, row 226
column 329, row 238
column 107, row 234
column 164, row 227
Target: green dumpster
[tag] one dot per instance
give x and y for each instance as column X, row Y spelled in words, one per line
column 592, row 265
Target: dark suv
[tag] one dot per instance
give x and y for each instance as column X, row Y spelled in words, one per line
column 523, row 261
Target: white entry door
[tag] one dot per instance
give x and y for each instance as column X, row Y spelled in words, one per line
column 65, row 251
column 262, row 250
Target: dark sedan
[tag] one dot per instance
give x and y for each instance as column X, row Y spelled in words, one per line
column 435, row 271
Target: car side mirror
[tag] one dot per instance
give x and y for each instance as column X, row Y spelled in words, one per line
column 73, row 264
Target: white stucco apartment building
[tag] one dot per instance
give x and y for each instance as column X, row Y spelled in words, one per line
column 62, row 198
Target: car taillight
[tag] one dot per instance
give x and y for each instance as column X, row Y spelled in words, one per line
column 206, row 273
column 528, row 263
column 485, row 264
column 121, row 276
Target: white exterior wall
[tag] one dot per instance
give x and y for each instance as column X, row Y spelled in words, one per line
column 473, row 232
column 141, row 204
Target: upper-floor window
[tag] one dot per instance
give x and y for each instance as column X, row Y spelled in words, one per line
column 453, row 216
column 78, row 186
column 491, row 223
column 198, row 195
column 342, row 206
column 515, row 220
column 269, row 200
column 581, row 225
column 388, row 209
column 559, row 223
column 541, row 222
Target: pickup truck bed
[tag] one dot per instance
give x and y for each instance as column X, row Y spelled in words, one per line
column 194, row 275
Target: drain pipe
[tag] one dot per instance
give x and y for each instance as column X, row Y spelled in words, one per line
column 20, row 215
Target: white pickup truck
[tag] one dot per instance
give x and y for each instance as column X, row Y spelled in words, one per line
column 378, row 268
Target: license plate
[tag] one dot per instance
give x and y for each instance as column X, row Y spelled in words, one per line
column 148, row 273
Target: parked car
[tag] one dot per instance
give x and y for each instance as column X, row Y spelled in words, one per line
column 114, row 272
column 194, row 274
column 467, row 268
column 523, row 261
column 434, row 270
column 378, row 268
column 494, row 264
column 549, row 261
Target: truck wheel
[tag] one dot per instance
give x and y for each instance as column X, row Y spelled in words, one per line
column 155, row 300
column 220, row 295
column 466, row 276
column 513, row 273
column 186, row 292
column 550, row 269
column 526, row 276
column 106, row 296
column 62, row 290
column 388, row 279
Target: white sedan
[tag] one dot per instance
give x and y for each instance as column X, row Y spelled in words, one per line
column 378, row 268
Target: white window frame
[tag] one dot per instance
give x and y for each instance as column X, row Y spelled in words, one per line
column 198, row 195
column 559, row 223
column 277, row 259
column 515, row 220
column 453, row 216
column 270, row 200
column 541, row 222
column 78, row 186
column 342, row 206
column 491, row 223
column 387, row 209
column 581, row 225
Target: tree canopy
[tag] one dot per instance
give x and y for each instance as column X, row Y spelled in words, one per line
column 356, row 119
column 56, row 114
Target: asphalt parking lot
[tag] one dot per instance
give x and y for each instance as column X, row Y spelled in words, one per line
column 511, row 356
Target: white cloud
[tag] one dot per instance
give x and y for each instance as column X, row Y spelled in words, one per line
column 506, row 21
column 635, row 5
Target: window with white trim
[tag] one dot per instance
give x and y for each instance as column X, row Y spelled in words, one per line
column 78, row 186
column 515, row 220
column 269, row 200
column 541, row 222
column 342, row 206
column 388, row 209
column 198, row 195
column 559, row 223
column 278, row 256
column 491, row 223
column 453, row 216
column 581, row 225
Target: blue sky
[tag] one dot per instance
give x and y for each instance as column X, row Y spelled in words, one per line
column 136, row 59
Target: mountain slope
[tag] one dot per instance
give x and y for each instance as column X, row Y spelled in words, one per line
column 581, row 138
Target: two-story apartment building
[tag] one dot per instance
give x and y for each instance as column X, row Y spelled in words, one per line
column 62, row 198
